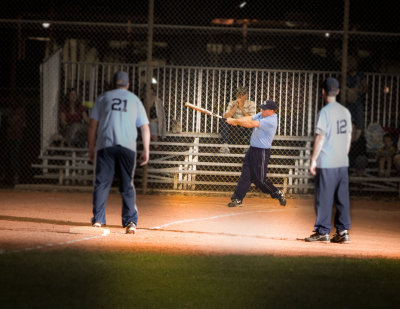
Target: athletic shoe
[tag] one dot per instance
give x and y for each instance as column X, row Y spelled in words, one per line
column 131, row 228
column 318, row 237
column 281, row 198
column 235, row 202
column 342, row 237
column 96, row 224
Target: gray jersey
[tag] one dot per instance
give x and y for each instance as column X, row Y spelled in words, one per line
column 119, row 113
column 334, row 122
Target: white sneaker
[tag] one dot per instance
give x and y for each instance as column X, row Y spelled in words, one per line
column 224, row 149
column 96, row 224
column 131, row 228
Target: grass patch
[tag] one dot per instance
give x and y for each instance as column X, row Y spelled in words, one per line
column 76, row 279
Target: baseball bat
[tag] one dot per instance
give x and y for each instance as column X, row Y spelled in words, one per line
column 202, row 110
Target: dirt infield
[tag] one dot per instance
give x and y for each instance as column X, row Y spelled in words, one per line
column 193, row 224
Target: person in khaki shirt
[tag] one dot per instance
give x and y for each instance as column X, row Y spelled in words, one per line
column 241, row 107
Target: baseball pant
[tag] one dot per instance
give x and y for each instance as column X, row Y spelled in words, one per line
column 332, row 186
column 254, row 170
column 109, row 161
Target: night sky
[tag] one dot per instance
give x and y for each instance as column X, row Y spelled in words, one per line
column 375, row 16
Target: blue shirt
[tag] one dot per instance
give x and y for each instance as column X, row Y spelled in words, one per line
column 263, row 135
column 334, row 122
column 119, row 113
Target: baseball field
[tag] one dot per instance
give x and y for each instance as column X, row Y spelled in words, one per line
column 193, row 252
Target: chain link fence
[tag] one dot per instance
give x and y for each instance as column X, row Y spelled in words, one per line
column 210, row 54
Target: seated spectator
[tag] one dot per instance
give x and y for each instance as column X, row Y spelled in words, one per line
column 238, row 108
column 396, row 158
column 156, row 116
column 374, row 137
column 74, row 121
column 358, row 152
column 384, row 156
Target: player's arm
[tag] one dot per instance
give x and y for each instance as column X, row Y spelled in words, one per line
column 92, row 134
column 246, row 122
column 319, row 140
column 348, row 142
column 144, row 157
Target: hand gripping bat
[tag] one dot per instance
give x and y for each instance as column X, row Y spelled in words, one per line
column 202, row 110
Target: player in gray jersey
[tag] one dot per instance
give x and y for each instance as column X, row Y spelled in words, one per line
column 329, row 163
column 114, row 120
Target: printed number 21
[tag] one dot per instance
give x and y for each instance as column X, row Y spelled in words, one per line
column 116, row 105
column 341, row 126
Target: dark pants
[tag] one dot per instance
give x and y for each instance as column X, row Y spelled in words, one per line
column 109, row 161
column 237, row 133
column 356, row 110
column 254, row 170
column 332, row 186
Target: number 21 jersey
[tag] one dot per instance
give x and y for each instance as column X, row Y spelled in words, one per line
column 119, row 113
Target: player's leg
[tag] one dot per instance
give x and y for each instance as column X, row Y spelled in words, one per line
column 104, row 176
column 259, row 175
column 342, row 200
column 244, row 182
column 325, row 186
column 125, row 164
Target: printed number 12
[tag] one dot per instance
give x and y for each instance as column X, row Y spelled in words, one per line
column 341, row 126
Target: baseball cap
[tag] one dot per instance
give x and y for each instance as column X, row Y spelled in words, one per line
column 242, row 90
column 268, row 104
column 331, row 86
column 121, row 79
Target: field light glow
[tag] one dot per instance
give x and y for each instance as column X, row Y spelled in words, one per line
column 46, row 25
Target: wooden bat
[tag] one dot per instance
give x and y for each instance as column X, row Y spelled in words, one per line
column 202, row 110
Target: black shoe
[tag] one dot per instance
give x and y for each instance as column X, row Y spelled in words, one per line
column 235, row 202
column 318, row 237
column 342, row 237
column 281, row 198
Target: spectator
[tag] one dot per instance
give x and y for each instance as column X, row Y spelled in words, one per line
column 355, row 91
column 74, row 120
column 358, row 152
column 241, row 107
column 374, row 137
column 156, row 115
column 396, row 158
column 384, row 156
